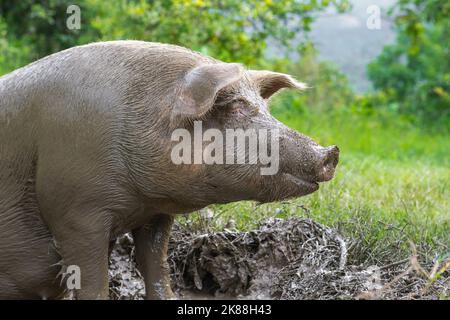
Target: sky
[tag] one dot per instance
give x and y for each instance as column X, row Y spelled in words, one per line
column 346, row 40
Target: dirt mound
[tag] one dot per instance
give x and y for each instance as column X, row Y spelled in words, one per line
column 254, row 263
column 283, row 259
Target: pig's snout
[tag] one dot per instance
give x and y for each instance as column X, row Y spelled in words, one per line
column 328, row 163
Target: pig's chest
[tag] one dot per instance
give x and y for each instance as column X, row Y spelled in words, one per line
column 141, row 214
column 171, row 206
column 127, row 221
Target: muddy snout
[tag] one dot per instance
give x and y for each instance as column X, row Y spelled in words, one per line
column 329, row 159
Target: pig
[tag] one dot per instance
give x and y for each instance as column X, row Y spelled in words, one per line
column 85, row 156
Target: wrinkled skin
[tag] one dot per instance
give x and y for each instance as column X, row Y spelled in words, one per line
column 85, row 144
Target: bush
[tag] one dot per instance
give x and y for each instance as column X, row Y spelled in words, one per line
column 414, row 73
column 229, row 30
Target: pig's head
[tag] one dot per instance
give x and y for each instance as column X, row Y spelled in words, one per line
column 226, row 97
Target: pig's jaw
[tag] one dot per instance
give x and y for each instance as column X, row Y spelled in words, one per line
column 307, row 186
column 285, row 186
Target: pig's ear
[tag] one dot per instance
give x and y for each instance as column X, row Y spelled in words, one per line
column 200, row 86
column 269, row 82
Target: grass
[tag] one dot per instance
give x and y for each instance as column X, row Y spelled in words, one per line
column 391, row 187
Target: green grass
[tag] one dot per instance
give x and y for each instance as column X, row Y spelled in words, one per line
column 390, row 189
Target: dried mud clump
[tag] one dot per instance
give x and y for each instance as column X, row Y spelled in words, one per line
column 283, row 259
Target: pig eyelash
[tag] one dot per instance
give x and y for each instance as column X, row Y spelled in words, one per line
column 224, row 100
column 236, row 106
column 250, row 109
column 227, row 108
column 242, row 104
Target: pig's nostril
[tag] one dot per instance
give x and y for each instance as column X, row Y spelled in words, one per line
column 332, row 157
column 329, row 163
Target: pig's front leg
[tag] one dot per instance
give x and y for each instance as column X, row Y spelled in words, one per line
column 84, row 247
column 151, row 243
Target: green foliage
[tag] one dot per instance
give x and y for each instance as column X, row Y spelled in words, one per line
column 328, row 88
column 229, row 30
column 38, row 25
column 414, row 73
column 12, row 53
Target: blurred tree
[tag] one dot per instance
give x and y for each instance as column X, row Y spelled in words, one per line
column 231, row 30
column 38, row 24
column 13, row 53
column 414, row 73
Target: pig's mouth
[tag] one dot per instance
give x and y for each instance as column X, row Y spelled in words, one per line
column 309, row 186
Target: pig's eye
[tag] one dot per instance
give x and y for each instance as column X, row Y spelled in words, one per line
column 237, row 105
column 242, row 107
